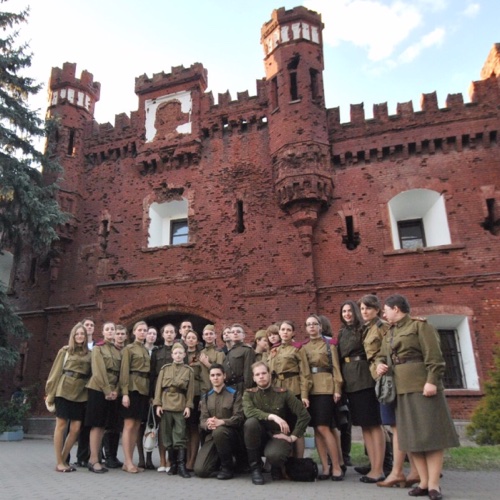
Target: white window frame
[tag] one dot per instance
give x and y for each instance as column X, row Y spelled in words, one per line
column 161, row 216
column 460, row 324
column 422, row 204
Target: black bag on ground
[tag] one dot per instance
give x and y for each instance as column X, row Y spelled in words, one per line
column 301, row 469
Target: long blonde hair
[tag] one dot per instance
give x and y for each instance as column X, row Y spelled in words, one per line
column 72, row 346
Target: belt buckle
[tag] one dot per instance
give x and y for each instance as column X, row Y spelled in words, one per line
column 281, row 376
column 347, row 360
column 171, row 389
column 314, row 369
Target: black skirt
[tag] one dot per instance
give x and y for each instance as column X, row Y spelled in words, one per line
column 322, row 410
column 138, row 409
column 365, row 408
column 99, row 409
column 70, row 410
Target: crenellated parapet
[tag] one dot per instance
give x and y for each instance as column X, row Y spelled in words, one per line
column 81, row 92
column 178, row 77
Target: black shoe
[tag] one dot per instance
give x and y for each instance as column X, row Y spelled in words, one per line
column 418, row 492
column 113, row 463
column 371, row 480
column 225, row 473
column 363, row 469
column 92, row 468
column 257, row 477
column 276, row 473
column 81, row 464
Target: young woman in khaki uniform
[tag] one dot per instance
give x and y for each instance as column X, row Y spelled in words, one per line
column 134, row 385
column 290, row 369
column 103, row 392
column 325, row 392
column 66, row 388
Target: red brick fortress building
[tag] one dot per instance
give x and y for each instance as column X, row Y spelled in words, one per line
column 267, row 207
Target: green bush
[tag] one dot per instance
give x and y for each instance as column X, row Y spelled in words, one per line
column 12, row 413
column 485, row 423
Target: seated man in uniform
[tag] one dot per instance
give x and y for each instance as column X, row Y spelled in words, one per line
column 267, row 430
column 221, row 418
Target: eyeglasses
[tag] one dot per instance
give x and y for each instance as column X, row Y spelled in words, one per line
column 312, row 324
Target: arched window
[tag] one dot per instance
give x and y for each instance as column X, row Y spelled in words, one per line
column 169, row 223
column 418, row 219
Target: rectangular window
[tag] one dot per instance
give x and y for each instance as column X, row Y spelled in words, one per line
column 179, row 231
column 294, row 89
column 411, row 233
column 450, row 346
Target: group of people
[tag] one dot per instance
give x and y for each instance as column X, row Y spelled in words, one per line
column 223, row 408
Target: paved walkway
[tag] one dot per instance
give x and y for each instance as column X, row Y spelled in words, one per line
column 27, row 472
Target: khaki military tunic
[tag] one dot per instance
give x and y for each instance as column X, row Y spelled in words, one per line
column 237, row 364
column 69, row 376
column 329, row 382
column 106, row 363
column 290, row 369
column 175, row 387
column 260, row 403
column 225, row 405
column 416, row 354
column 134, row 372
column 214, row 356
column 373, row 334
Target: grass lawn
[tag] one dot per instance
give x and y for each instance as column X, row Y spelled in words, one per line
column 463, row 458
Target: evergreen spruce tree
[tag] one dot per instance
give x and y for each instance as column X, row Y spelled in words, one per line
column 29, row 212
column 485, row 423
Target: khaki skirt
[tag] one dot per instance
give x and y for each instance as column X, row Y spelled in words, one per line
column 424, row 423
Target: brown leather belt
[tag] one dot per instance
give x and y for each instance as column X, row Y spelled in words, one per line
column 174, row 390
column 318, row 369
column 403, row 361
column 71, row 374
column 285, row 375
column 354, row 358
column 141, row 374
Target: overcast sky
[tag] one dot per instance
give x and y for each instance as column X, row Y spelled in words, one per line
column 375, row 50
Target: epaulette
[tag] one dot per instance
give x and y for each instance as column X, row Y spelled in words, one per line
column 247, row 345
column 418, row 318
column 230, row 389
column 380, row 323
column 279, row 389
column 252, row 389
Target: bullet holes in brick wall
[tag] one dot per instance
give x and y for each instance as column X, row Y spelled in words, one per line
column 240, row 222
column 491, row 222
column 351, row 239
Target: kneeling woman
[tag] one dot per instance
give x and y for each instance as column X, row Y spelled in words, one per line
column 425, row 427
column 134, row 385
column 66, row 388
column 103, row 393
column 324, row 394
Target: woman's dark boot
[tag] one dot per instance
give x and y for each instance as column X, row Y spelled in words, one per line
column 174, row 467
column 181, row 461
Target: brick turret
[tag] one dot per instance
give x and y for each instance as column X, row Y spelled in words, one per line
column 293, row 49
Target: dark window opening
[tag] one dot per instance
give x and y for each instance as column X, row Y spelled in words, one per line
column 493, row 136
column 104, row 233
column 491, row 223
column 411, row 234
column 314, row 74
column 71, row 143
column 465, row 140
column 32, row 278
column 412, row 148
column 225, row 124
column 351, row 240
column 244, row 125
column 450, row 346
column 274, row 93
column 240, row 223
column 294, row 91
column 179, row 231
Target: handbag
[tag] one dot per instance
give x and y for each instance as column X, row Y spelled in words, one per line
column 385, row 389
column 301, row 469
column 50, row 406
column 150, row 438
